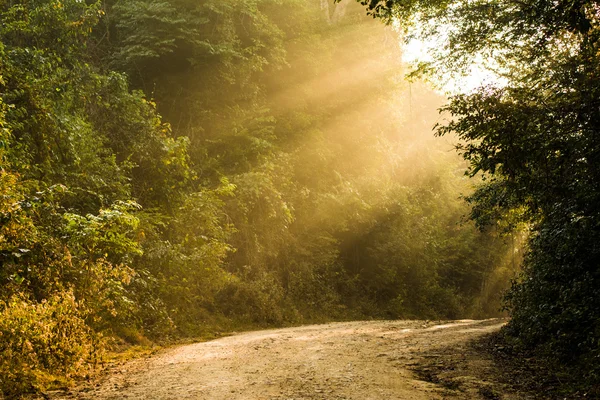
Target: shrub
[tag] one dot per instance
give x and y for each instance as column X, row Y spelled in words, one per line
column 42, row 343
column 257, row 301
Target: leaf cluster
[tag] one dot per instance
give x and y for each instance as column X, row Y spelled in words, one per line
column 535, row 140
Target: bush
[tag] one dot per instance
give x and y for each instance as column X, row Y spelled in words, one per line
column 257, row 301
column 555, row 307
column 43, row 343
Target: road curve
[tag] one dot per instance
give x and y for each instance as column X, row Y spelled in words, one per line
column 348, row 360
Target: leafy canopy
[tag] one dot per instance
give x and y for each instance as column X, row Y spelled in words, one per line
column 536, row 141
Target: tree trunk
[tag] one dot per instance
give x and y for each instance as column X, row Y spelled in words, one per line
column 334, row 12
column 340, row 11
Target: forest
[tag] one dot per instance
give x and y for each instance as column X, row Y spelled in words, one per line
column 533, row 141
column 173, row 169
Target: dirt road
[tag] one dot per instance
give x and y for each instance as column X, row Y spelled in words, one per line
column 353, row 360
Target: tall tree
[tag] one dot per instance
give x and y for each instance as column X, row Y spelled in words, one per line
column 536, row 140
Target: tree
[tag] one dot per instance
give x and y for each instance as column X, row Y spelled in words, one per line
column 282, row 185
column 536, row 141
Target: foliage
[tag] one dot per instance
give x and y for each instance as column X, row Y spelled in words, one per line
column 535, row 140
column 43, row 341
column 69, row 230
column 184, row 257
column 290, row 178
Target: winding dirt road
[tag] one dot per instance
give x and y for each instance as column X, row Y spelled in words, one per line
column 350, row 360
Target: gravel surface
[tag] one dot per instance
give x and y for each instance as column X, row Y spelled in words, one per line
column 348, row 360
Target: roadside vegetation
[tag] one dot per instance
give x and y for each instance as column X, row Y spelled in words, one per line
column 534, row 141
column 173, row 169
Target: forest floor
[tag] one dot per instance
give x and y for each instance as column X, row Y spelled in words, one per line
column 348, row 360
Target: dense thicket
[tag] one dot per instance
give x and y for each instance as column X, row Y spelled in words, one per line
column 536, row 138
column 290, row 178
